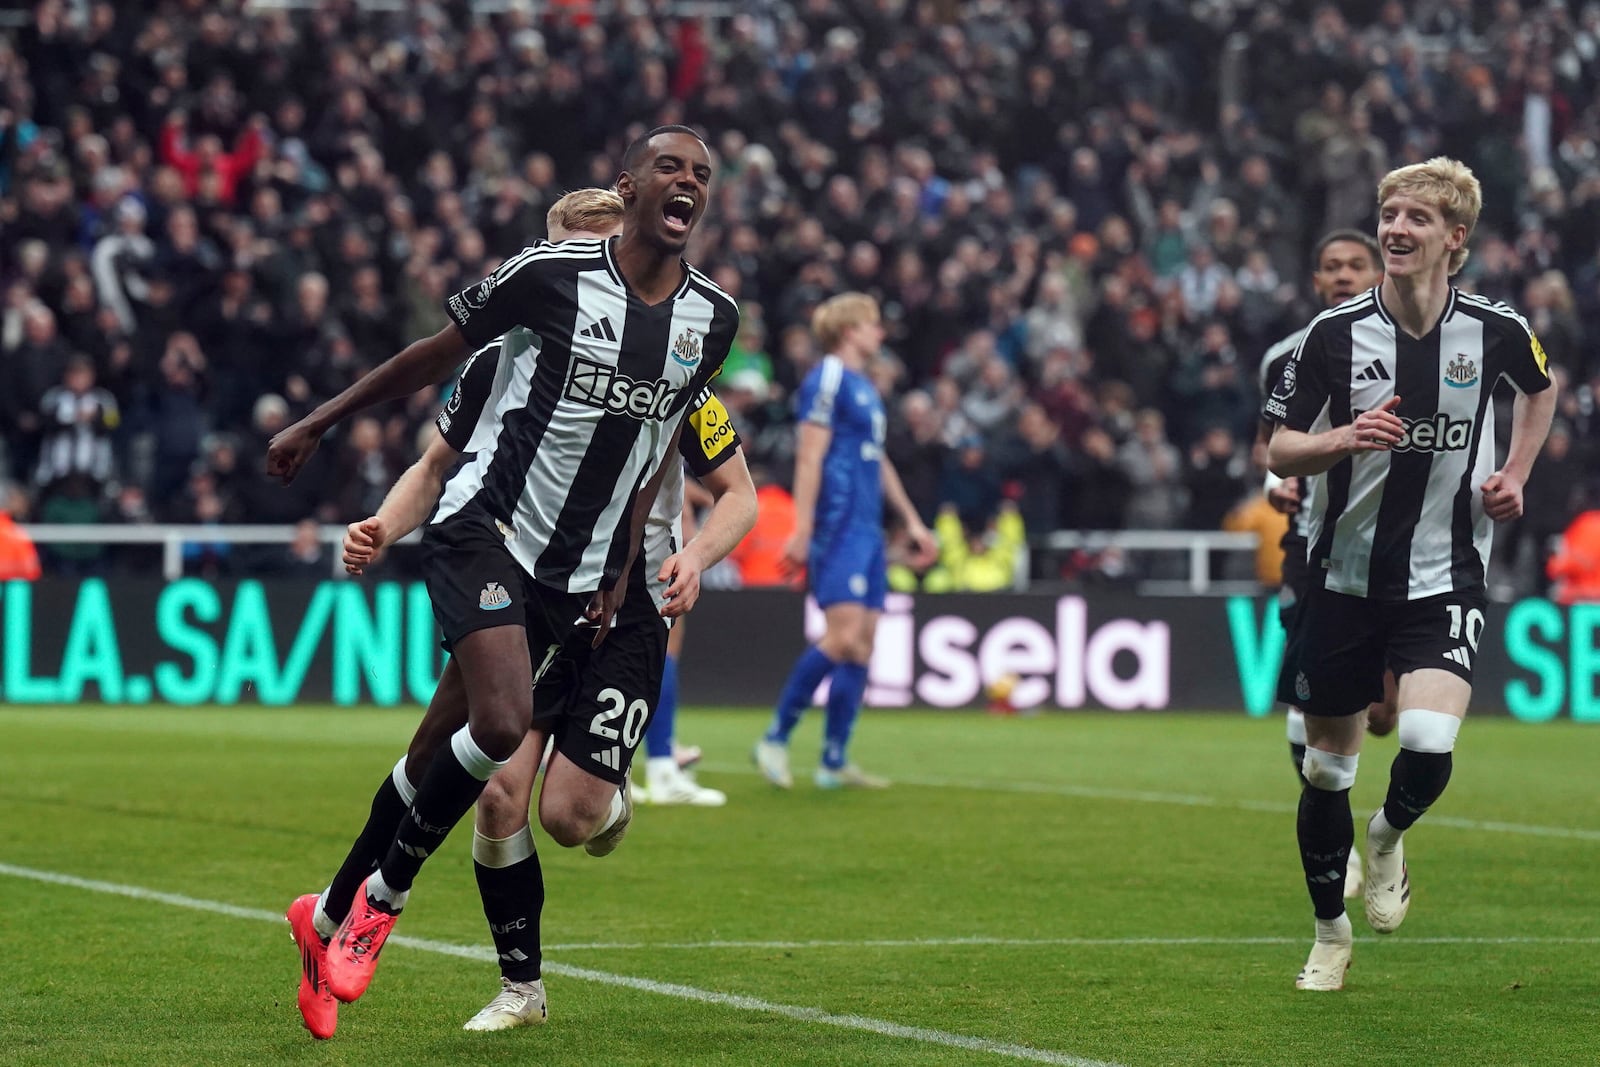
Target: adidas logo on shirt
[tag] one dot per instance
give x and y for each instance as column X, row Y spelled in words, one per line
column 600, row 331
column 1374, row 373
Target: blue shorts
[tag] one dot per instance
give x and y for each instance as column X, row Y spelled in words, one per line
column 849, row 568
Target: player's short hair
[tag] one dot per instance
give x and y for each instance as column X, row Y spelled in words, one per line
column 635, row 153
column 838, row 313
column 1365, row 240
column 1447, row 184
column 594, row 210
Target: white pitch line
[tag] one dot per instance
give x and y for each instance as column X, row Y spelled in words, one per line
column 1191, row 800
column 1047, row 942
column 799, row 1013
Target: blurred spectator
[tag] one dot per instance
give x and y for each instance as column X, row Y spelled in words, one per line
column 76, row 421
column 1575, row 567
column 32, row 366
column 1153, row 467
column 177, row 414
column 917, row 451
column 969, row 483
column 1216, row 478
column 976, row 558
column 121, row 259
column 1256, row 515
column 19, row 560
column 760, row 556
column 306, row 557
column 1035, row 461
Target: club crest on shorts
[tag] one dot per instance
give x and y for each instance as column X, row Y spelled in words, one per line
column 494, row 597
column 686, row 349
column 858, row 585
column 1302, row 686
column 1461, row 372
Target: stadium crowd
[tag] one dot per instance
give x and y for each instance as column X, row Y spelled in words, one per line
column 1085, row 222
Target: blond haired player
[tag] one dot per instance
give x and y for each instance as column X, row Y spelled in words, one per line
column 1386, row 406
column 841, row 479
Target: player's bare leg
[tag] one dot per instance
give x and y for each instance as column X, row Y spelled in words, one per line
column 1433, row 703
column 579, row 808
column 511, row 885
column 1327, row 834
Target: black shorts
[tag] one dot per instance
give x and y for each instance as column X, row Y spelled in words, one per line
column 1296, row 571
column 596, row 702
column 1348, row 642
column 1290, row 601
column 474, row 583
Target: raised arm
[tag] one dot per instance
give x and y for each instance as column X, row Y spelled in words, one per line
column 420, row 364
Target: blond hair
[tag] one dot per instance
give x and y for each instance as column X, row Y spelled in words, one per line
column 1445, row 183
column 590, row 210
column 837, row 314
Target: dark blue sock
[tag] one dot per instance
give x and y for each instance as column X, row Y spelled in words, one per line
column 844, row 704
column 809, row 671
column 664, row 723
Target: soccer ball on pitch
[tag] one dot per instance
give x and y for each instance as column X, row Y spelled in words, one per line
column 999, row 693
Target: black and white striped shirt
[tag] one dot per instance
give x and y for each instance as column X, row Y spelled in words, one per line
column 1407, row 523
column 709, row 440
column 1294, row 537
column 589, row 389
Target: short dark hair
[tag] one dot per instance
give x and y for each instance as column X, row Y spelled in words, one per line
column 1365, row 240
column 635, row 153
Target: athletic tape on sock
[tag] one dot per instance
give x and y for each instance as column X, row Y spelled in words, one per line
column 501, row 852
column 402, row 784
column 1295, row 726
column 615, row 813
column 1329, row 770
column 1422, row 730
column 473, row 759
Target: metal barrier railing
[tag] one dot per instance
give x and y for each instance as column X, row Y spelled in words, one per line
column 1196, row 545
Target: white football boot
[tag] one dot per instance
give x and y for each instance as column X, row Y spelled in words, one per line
column 517, row 1004
column 1388, row 888
column 773, row 760
column 669, row 785
column 1330, row 958
column 1352, row 875
column 848, row 777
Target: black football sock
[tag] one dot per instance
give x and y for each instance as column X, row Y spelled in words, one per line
column 453, row 784
column 1326, row 832
column 511, row 884
column 389, row 805
column 1416, row 780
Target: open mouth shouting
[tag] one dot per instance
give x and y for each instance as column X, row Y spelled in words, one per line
column 677, row 213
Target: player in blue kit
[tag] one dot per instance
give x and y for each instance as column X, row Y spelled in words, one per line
column 841, row 480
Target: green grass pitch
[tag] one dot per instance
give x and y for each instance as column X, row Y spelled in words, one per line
column 1070, row 889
